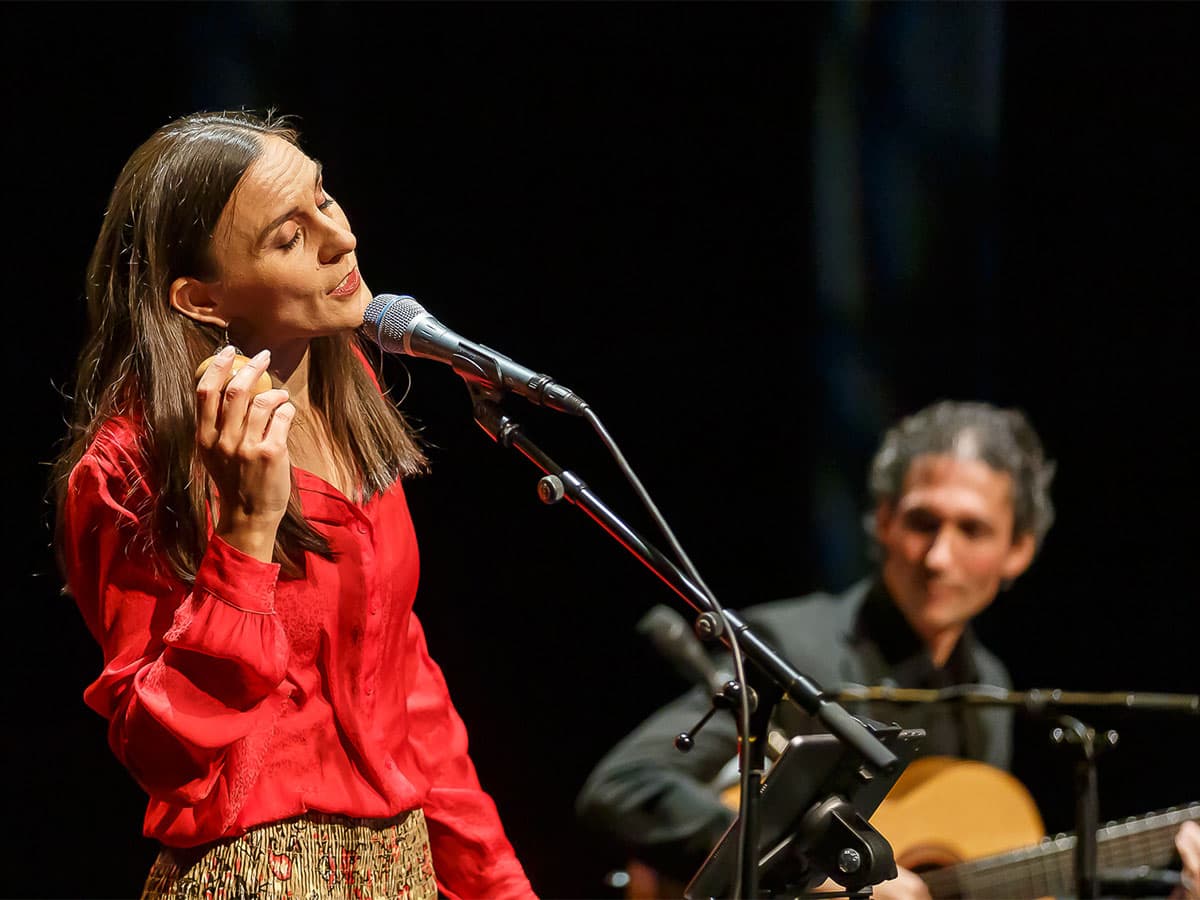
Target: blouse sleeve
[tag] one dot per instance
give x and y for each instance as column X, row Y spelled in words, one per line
column 471, row 854
column 188, row 674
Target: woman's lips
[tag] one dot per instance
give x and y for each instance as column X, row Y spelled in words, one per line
column 348, row 285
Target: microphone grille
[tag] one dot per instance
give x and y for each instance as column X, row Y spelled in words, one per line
column 387, row 318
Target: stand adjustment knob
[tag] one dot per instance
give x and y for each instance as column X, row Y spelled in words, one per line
column 686, row 740
column 708, row 626
column 849, row 860
column 730, row 696
column 550, row 489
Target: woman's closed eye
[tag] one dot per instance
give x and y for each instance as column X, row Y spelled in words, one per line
column 327, row 202
column 324, row 198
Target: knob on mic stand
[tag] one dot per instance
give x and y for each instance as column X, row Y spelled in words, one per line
column 728, row 697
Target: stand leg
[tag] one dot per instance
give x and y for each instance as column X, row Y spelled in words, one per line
column 1072, row 732
column 1087, row 817
column 766, row 695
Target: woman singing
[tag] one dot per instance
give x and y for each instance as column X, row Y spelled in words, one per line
column 241, row 549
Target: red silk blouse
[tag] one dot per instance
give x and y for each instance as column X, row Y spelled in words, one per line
column 251, row 697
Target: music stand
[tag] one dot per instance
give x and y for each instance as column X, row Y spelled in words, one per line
column 813, row 810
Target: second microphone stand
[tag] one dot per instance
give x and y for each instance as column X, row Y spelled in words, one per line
column 1069, row 732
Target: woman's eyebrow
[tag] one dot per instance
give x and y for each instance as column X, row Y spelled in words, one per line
column 279, row 220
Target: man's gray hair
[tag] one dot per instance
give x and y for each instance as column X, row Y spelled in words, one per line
column 1002, row 438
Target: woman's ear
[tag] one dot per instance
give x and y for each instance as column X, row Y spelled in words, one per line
column 197, row 300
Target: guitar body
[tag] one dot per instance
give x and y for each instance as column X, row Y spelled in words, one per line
column 974, row 831
column 943, row 811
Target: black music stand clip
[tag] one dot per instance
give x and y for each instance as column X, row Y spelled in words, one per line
column 813, row 810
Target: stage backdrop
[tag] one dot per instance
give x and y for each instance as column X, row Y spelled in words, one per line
column 750, row 235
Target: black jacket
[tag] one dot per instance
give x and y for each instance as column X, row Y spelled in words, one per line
column 662, row 805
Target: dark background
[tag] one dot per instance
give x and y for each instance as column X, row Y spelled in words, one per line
column 628, row 196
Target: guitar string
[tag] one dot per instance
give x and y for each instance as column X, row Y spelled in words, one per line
column 1152, row 843
column 1047, row 868
column 1056, row 868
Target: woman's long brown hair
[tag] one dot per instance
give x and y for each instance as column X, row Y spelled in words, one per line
column 140, row 355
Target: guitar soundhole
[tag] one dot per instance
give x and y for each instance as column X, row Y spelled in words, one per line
column 927, row 867
column 927, row 858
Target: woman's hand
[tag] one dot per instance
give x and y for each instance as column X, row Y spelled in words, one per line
column 242, row 440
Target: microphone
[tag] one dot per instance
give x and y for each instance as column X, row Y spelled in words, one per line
column 671, row 636
column 399, row 324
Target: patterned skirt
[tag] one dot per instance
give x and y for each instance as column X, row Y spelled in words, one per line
column 313, row 857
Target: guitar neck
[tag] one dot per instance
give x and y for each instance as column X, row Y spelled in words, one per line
column 1048, row 868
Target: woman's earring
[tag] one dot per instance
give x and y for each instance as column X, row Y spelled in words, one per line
column 225, row 342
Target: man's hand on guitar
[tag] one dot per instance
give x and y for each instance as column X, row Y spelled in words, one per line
column 905, row 886
column 1187, row 842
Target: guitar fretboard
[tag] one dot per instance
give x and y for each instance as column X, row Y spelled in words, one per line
column 1048, row 868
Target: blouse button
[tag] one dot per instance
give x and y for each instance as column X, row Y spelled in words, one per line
column 360, row 528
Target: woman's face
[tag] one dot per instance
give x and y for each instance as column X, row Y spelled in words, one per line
column 284, row 255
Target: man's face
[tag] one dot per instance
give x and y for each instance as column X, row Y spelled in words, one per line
column 948, row 542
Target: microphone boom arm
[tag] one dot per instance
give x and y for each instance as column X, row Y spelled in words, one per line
column 796, row 686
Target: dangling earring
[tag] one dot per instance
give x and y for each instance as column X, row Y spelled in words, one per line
column 225, row 342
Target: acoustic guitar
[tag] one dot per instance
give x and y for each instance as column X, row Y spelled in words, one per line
column 971, row 830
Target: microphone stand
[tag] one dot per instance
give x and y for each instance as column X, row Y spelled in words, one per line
column 559, row 483
column 1072, row 732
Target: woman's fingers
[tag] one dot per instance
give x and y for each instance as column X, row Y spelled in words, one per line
column 209, row 391
column 264, row 408
column 242, row 436
column 236, row 400
column 277, row 430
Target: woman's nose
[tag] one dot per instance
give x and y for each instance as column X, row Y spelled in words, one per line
column 338, row 241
